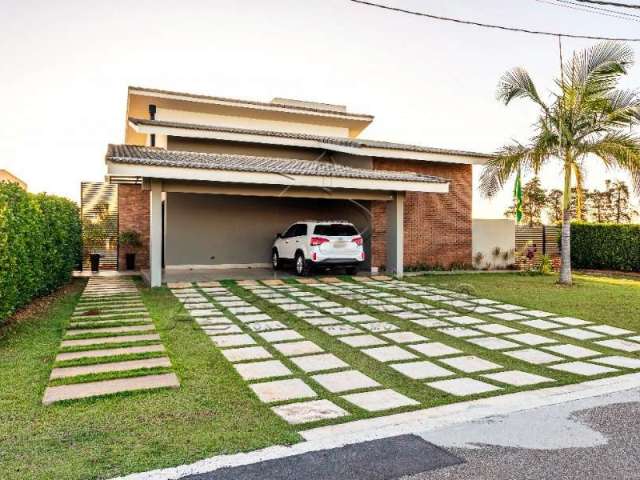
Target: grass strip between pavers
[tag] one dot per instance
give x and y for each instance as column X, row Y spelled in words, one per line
column 96, row 377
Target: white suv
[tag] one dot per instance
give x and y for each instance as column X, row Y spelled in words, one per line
column 313, row 243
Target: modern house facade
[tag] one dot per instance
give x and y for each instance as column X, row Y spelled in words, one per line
column 209, row 181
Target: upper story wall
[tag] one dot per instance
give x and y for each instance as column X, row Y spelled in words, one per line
column 282, row 115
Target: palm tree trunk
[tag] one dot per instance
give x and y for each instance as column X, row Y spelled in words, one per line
column 565, row 249
column 565, row 243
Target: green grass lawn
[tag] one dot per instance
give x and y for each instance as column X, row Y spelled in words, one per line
column 212, row 413
column 602, row 299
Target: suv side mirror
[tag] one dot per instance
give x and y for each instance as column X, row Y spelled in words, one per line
column 278, row 235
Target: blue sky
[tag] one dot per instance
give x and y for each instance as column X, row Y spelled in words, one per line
column 66, row 66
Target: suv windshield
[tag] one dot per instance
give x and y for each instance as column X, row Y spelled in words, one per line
column 335, row 230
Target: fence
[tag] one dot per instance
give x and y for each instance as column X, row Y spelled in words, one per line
column 99, row 203
column 546, row 238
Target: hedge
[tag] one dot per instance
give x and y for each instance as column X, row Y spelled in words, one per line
column 605, row 246
column 40, row 244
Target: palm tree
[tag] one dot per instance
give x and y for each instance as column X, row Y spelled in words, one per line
column 587, row 115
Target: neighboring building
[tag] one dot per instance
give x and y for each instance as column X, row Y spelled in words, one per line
column 6, row 176
column 209, row 181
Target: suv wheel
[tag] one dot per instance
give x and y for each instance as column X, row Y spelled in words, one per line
column 302, row 267
column 276, row 263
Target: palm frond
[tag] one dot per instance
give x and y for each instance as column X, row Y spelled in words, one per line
column 617, row 150
column 596, row 69
column 517, row 83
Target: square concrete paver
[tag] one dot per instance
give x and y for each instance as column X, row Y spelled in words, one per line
column 389, row 354
column 380, row 327
column 232, row 340
column 493, row 343
column 67, row 372
column 380, row 400
column 430, row 323
column 280, row 335
column 434, row 349
column 245, row 353
column 421, row 370
column 464, row 320
column 533, row 356
column 572, row 351
column 470, row 364
column 404, row 337
column 321, row 321
column 409, row 315
column 541, row 324
column 579, row 333
column 461, row 387
column 460, row 332
column 266, row 326
column 308, row 314
column 240, row 310
column 281, row 390
column 517, row 378
column 319, row 363
column 312, row 411
column 571, row 321
column 620, row 344
column 297, row 348
column 583, row 368
column 531, row 339
column 508, row 316
column 362, row 341
column 609, row 330
column 341, row 311
column 221, row 329
column 337, row 330
column 255, row 317
column 345, row 381
column 619, row 361
column 266, row 369
column 360, row 318
column 508, row 307
column 536, row 313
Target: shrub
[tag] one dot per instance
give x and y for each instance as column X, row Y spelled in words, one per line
column 605, row 246
column 39, row 245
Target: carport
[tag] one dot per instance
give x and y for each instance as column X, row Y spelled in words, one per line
column 211, row 210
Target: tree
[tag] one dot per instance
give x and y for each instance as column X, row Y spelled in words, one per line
column 622, row 211
column 533, row 203
column 587, row 115
column 554, row 205
column 600, row 204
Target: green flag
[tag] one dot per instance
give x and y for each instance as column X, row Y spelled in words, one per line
column 517, row 194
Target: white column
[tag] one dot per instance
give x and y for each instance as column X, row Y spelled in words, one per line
column 155, row 233
column 395, row 235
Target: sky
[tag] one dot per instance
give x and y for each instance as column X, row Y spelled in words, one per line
column 66, row 66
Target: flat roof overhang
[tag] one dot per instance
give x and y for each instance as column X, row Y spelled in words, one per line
column 254, row 137
column 117, row 171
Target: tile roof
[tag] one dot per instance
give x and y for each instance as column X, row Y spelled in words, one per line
column 153, row 156
column 327, row 111
column 339, row 141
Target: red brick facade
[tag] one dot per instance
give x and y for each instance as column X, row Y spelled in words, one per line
column 133, row 214
column 437, row 227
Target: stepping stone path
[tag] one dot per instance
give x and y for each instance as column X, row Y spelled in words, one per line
column 110, row 312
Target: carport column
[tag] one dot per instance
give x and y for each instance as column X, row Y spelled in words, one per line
column 155, row 234
column 395, row 235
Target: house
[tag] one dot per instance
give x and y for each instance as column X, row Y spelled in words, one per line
column 6, row 176
column 209, row 181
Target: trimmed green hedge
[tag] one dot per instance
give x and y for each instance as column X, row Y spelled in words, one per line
column 40, row 244
column 605, row 246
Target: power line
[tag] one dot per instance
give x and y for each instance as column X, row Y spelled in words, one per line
column 492, row 26
column 592, row 10
column 611, row 4
column 601, row 9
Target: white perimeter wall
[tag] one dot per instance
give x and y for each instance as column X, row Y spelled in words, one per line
column 491, row 233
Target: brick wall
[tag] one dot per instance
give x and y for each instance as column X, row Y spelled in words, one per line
column 437, row 227
column 133, row 214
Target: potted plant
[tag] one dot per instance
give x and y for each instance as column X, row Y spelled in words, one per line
column 130, row 241
column 93, row 234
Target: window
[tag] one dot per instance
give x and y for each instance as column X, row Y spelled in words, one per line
column 335, row 230
column 290, row 232
column 301, row 230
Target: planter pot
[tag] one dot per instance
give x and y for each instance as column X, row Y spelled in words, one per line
column 94, row 258
column 130, row 260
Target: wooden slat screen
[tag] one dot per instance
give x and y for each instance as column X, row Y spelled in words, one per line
column 96, row 196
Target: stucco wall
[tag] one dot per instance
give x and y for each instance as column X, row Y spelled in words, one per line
column 491, row 233
column 206, row 229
